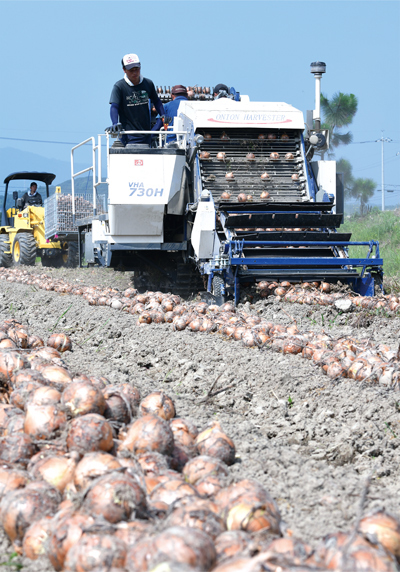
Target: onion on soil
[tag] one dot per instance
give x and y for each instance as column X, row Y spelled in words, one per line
column 11, row 479
column 56, row 470
column 20, row 508
column 96, row 551
column 36, row 538
column 204, row 466
column 17, row 449
column 42, row 421
column 115, row 496
column 67, row 529
column 60, row 342
column 90, row 432
column 81, row 398
column 384, row 529
column 215, row 443
column 94, row 465
column 149, row 433
column 158, row 403
column 189, row 546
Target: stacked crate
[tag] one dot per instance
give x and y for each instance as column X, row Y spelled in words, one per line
column 59, row 216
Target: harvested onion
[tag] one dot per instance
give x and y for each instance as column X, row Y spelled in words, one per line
column 90, row 432
column 158, row 403
column 215, row 443
column 149, row 433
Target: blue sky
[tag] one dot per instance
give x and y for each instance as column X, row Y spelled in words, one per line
column 59, row 60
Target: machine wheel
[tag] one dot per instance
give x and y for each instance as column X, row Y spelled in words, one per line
column 24, row 249
column 72, row 255
column 5, row 258
column 218, row 288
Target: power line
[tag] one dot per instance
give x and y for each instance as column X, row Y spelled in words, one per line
column 38, row 141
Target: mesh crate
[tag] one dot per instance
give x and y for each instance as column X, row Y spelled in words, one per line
column 58, row 212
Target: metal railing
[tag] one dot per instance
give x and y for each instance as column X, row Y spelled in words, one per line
column 96, row 166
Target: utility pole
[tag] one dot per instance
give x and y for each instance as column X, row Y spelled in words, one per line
column 383, row 140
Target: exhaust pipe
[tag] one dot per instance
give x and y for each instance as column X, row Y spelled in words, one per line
column 317, row 68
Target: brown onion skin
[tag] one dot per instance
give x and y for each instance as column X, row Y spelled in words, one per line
column 35, row 342
column 197, row 516
column 172, row 490
column 29, row 375
column 20, row 508
column 158, row 403
column 57, row 470
column 210, row 485
column 383, row 528
column 149, row 433
column 81, row 398
column 131, row 531
column 215, row 443
column 60, row 342
column 115, row 496
column 96, row 551
column 140, row 554
column 203, row 466
column 66, row 532
column 93, row 465
column 118, row 409
column 231, row 543
column 42, row 421
column 36, row 538
column 23, row 393
column 10, row 363
column 56, row 375
column 184, row 430
column 17, row 449
column 90, row 432
column 7, row 412
column 187, row 546
column 153, row 463
column 45, row 395
column 11, row 479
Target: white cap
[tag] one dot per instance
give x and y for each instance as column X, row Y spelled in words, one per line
column 131, row 61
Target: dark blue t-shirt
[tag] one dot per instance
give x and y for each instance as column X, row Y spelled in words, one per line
column 133, row 104
column 171, row 110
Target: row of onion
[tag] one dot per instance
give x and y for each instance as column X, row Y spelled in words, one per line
column 343, row 357
column 95, row 477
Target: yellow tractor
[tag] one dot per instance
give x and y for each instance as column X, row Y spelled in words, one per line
column 22, row 230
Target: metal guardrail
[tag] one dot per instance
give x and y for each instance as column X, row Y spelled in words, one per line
column 96, row 165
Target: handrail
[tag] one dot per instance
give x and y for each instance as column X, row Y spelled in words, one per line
column 73, row 175
column 96, row 156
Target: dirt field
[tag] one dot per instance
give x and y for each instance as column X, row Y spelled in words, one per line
column 310, row 441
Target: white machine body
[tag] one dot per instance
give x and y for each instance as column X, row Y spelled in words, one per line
column 141, row 188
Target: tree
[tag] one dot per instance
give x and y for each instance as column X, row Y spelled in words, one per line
column 362, row 190
column 338, row 112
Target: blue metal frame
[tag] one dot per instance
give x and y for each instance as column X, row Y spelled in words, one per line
column 233, row 249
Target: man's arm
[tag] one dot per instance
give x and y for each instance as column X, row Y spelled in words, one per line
column 114, row 112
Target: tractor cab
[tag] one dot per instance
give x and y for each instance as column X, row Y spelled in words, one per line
column 12, row 200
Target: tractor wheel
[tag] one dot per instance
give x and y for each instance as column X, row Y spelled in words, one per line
column 72, row 255
column 5, row 258
column 24, row 249
column 218, row 288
